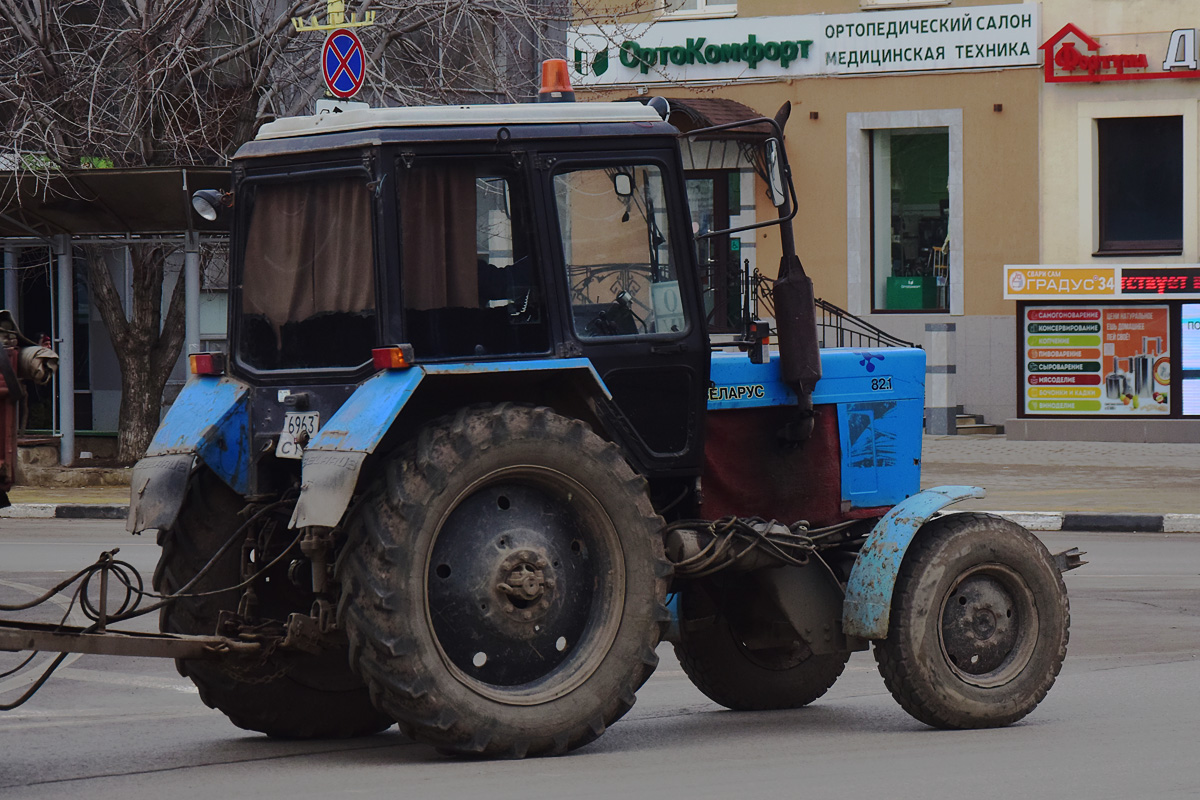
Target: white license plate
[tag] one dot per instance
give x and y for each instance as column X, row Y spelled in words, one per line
column 296, row 424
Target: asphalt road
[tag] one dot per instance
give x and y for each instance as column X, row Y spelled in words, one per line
column 1123, row 721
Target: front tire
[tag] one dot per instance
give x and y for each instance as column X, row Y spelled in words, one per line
column 504, row 584
column 979, row 624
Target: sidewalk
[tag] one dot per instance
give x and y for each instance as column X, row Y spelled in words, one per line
column 1043, row 485
column 1073, row 485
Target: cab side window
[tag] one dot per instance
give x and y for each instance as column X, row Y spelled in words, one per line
column 469, row 286
column 616, row 247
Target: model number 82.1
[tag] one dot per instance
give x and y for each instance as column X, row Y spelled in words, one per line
column 883, row 384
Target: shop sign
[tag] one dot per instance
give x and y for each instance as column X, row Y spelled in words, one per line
column 1029, row 283
column 1132, row 281
column 1107, row 360
column 1067, row 63
column 686, row 51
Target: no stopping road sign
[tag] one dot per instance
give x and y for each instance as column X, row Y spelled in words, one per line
column 343, row 63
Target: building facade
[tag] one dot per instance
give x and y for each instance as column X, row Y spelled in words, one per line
column 1109, row 326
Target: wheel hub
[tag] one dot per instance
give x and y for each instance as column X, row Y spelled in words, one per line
column 512, row 584
column 980, row 625
column 525, row 585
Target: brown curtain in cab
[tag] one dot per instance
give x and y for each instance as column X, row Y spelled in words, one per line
column 437, row 226
column 309, row 250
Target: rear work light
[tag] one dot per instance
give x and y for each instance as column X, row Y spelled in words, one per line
column 556, row 83
column 207, row 363
column 398, row 356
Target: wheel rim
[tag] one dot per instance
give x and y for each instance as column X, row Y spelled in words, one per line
column 525, row 585
column 989, row 625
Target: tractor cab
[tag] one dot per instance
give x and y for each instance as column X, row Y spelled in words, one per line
column 480, row 240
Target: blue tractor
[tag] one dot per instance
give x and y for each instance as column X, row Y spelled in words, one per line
column 471, row 454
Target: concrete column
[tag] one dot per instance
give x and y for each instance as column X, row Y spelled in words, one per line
column 12, row 297
column 66, row 348
column 191, row 294
column 941, row 409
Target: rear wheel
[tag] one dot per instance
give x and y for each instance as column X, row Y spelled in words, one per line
column 287, row 695
column 979, row 624
column 748, row 661
column 504, row 584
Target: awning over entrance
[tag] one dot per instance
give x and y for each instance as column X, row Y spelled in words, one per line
column 105, row 202
column 693, row 113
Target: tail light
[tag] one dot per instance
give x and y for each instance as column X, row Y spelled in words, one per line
column 398, row 356
column 207, row 363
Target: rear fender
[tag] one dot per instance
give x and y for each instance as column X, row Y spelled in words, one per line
column 210, row 420
column 333, row 461
column 867, row 609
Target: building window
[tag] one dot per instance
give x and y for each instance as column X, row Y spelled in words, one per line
column 699, row 8
column 1140, row 185
column 911, row 248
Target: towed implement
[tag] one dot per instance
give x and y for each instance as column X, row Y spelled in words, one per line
column 473, row 453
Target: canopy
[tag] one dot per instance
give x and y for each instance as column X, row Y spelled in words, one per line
column 100, row 202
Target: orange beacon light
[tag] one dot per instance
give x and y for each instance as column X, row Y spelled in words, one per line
column 556, row 84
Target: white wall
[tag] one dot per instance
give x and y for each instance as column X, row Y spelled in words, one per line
column 1069, row 233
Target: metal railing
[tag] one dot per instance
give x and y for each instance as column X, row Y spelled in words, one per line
column 836, row 326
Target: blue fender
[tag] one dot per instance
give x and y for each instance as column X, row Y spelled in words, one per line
column 332, row 461
column 210, row 420
column 868, row 604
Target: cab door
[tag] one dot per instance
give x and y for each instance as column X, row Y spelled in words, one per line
column 628, row 268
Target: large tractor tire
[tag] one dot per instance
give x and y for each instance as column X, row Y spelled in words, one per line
column 714, row 652
column 979, row 624
column 504, row 584
column 287, row 695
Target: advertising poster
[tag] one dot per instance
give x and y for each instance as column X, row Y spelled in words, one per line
column 1097, row 360
column 1190, row 358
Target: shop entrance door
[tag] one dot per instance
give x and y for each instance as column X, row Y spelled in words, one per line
column 709, row 199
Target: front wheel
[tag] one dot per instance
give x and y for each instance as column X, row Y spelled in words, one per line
column 504, row 584
column 979, row 624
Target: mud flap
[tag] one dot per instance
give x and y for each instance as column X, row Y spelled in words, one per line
column 327, row 488
column 157, row 488
column 868, row 607
column 210, row 421
column 333, row 460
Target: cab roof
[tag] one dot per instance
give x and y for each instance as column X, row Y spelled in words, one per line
column 457, row 116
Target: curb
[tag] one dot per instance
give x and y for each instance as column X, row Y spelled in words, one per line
column 1074, row 521
column 1101, row 522
column 64, row 511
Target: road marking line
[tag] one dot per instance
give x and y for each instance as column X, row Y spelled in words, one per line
column 126, row 679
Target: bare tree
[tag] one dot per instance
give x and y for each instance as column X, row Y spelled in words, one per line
column 92, row 83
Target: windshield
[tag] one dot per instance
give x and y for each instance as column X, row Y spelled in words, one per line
column 307, row 277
